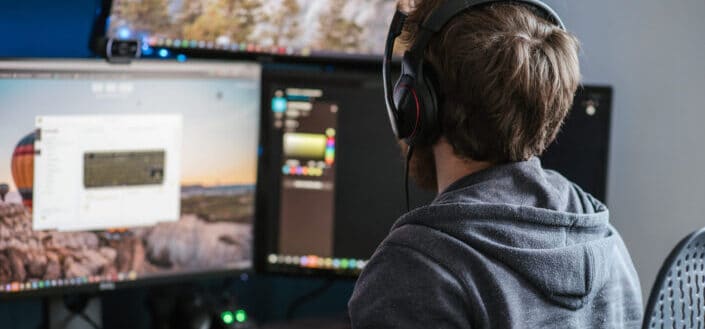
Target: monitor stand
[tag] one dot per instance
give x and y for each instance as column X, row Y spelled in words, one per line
column 73, row 311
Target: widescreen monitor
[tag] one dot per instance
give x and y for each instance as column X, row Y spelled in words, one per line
column 115, row 175
column 302, row 28
column 334, row 175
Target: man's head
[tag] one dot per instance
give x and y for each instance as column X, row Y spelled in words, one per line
column 506, row 76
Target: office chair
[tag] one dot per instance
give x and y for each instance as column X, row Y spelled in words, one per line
column 677, row 299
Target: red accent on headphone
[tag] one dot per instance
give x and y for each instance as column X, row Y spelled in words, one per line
column 418, row 107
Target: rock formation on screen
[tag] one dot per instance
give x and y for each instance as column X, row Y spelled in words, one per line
column 188, row 244
column 26, row 254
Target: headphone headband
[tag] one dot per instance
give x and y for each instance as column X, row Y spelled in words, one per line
column 395, row 29
column 451, row 8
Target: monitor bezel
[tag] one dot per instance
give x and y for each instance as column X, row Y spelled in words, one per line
column 97, row 288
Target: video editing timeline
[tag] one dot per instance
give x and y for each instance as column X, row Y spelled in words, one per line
column 330, row 28
column 308, row 128
column 120, row 174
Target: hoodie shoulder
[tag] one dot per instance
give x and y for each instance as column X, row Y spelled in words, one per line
column 522, row 242
column 403, row 286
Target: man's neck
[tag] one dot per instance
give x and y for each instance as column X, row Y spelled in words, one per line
column 450, row 167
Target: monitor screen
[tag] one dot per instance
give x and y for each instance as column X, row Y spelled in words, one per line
column 120, row 174
column 334, row 174
column 318, row 28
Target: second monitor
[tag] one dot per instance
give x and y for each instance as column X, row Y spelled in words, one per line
column 331, row 175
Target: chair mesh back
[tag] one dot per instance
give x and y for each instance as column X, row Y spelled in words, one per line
column 678, row 297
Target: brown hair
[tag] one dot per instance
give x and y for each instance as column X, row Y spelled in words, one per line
column 507, row 78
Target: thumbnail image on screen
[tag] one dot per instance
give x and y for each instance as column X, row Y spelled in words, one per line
column 329, row 28
column 111, row 174
column 126, row 168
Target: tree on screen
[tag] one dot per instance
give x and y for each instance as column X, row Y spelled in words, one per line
column 146, row 15
column 283, row 25
column 190, row 11
column 336, row 32
column 231, row 19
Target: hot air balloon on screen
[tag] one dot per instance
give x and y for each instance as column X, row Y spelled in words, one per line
column 23, row 168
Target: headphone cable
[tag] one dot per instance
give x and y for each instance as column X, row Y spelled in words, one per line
column 409, row 153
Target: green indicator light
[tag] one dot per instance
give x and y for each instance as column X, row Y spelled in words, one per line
column 227, row 317
column 241, row 316
column 344, row 263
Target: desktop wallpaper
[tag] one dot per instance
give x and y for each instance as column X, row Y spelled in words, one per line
column 322, row 26
column 218, row 171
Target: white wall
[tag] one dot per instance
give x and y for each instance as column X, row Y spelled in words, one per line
column 653, row 53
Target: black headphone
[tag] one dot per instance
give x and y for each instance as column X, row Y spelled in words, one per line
column 413, row 104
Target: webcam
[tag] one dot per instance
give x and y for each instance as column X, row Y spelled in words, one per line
column 119, row 51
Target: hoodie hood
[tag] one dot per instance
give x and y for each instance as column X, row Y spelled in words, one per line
column 534, row 221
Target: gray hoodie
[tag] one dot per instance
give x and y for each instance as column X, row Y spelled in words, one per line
column 513, row 246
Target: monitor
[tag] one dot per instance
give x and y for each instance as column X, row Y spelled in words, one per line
column 117, row 175
column 334, row 174
column 301, row 28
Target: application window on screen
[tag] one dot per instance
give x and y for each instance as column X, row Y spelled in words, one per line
column 308, row 127
column 128, row 166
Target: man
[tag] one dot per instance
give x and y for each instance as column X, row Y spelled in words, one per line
column 506, row 244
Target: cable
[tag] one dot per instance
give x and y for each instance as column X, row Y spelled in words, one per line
column 294, row 305
column 409, row 153
column 76, row 305
column 88, row 320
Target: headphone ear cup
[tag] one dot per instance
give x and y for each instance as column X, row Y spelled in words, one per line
column 431, row 104
column 408, row 104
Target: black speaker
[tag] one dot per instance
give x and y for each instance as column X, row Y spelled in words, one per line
column 581, row 150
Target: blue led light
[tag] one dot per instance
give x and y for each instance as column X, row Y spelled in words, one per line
column 163, row 53
column 181, row 58
column 124, row 33
column 279, row 104
column 147, row 51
